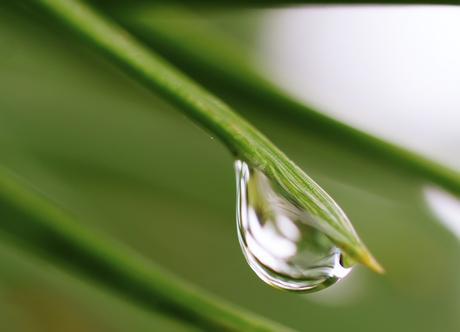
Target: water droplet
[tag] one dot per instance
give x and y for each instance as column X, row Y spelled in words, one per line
column 279, row 240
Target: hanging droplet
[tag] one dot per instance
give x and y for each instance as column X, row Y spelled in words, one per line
column 279, row 240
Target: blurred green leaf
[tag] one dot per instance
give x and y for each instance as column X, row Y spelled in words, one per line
column 34, row 296
column 39, row 226
column 182, row 35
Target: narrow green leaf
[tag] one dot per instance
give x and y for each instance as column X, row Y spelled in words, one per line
column 241, row 138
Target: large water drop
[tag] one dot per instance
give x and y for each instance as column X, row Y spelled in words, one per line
column 279, row 240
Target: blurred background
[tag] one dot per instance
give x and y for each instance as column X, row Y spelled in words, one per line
column 129, row 165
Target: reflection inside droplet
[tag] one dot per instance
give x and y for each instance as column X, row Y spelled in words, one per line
column 279, row 240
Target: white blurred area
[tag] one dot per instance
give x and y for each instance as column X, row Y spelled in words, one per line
column 445, row 206
column 392, row 71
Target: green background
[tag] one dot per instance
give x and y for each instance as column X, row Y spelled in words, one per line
column 129, row 165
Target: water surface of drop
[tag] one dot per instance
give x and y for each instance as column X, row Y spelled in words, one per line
column 279, row 240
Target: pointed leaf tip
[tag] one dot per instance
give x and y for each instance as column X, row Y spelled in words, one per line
column 369, row 261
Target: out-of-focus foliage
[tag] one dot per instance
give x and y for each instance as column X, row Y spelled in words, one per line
column 131, row 166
